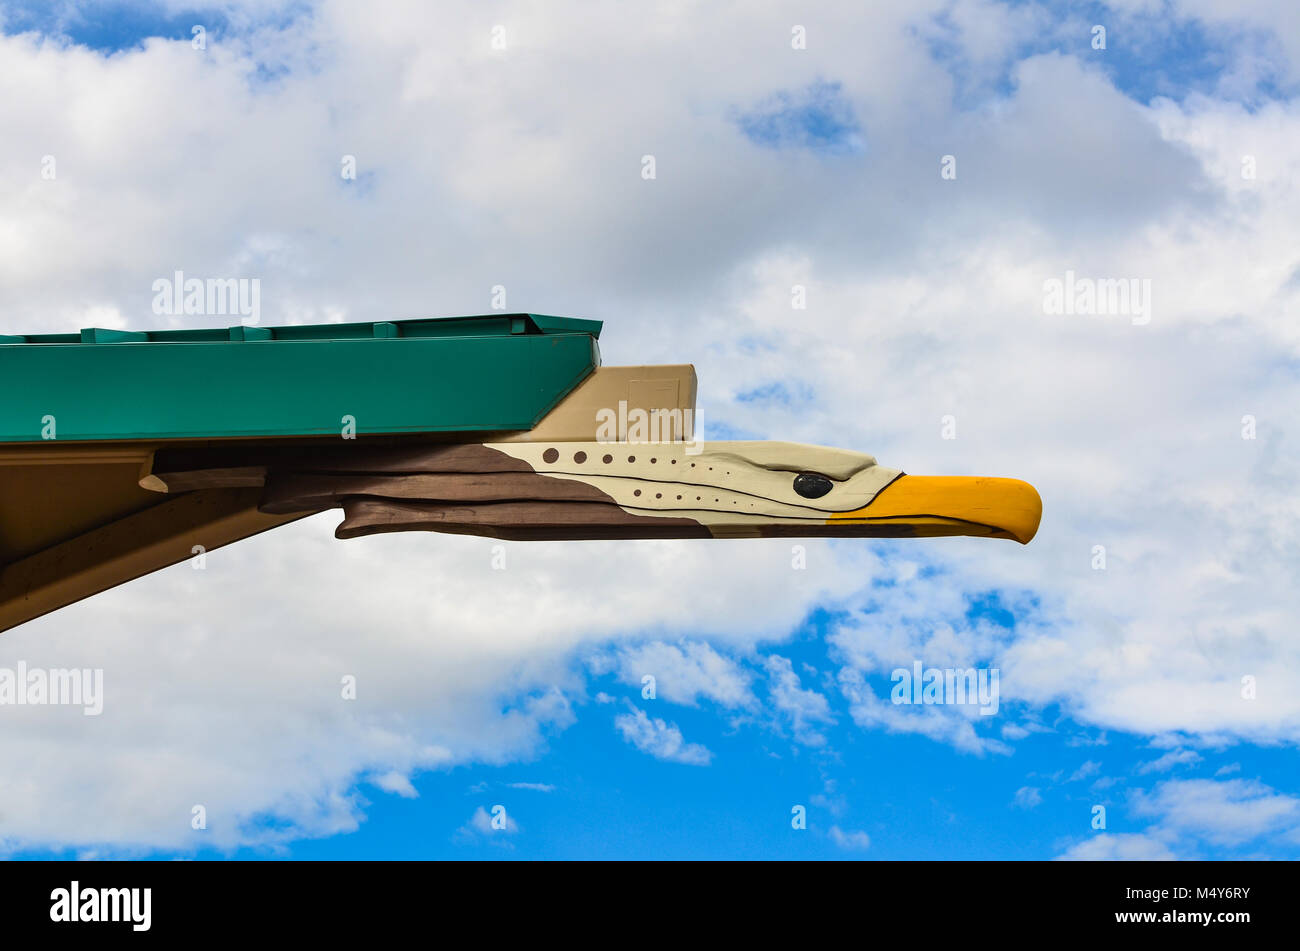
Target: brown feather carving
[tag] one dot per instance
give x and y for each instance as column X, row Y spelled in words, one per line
column 522, row 521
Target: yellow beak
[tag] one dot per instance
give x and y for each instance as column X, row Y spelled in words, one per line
column 954, row 505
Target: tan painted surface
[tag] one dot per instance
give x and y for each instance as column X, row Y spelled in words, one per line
column 52, row 492
column 640, row 387
column 123, row 550
column 75, row 521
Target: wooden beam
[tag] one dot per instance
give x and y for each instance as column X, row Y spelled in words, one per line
column 315, row 492
column 237, row 477
column 181, row 470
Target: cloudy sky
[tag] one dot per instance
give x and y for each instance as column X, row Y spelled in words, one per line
column 923, row 171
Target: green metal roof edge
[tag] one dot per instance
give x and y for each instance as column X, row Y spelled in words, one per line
column 498, row 372
column 469, row 326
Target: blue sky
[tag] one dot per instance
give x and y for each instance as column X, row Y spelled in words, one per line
column 795, row 172
column 913, row 798
column 110, row 27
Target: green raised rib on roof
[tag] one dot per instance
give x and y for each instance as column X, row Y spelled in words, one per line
column 494, row 372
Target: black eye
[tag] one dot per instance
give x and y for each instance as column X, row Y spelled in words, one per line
column 811, row 485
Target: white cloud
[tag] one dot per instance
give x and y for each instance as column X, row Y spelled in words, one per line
column 480, row 824
column 804, row 709
column 1169, row 760
column 1089, row 768
column 398, row 784
column 660, row 739
column 858, row 841
column 1187, row 814
column 1123, row 847
column 1027, row 797
column 685, row 672
column 945, row 724
column 1229, row 812
column 1270, row 28
column 454, row 663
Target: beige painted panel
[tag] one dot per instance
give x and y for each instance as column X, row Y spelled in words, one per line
column 126, row 549
column 53, row 491
column 644, row 387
